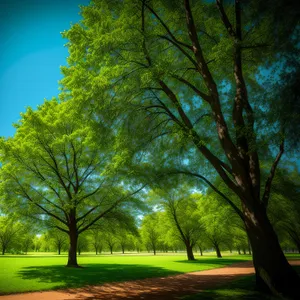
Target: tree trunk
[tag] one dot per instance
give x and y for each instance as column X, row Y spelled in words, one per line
column 201, row 252
column 3, row 250
column 189, row 252
column 154, row 251
column 273, row 272
column 58, row 250
column 249, row 247
column 72, row 258
column 218, row 251
column 239, row 251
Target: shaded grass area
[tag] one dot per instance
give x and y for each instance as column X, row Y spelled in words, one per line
column 243, row 288
column 35, row 273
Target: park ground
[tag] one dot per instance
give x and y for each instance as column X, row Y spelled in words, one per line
column 22, row 273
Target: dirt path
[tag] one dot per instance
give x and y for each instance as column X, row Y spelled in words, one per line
column 171, row 287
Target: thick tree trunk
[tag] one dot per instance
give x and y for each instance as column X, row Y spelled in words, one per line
column 72, row 258
column 3, row 250
column 249, row 247
column 154, row 251
column 273, row 272
column 189, row 252
column 239, row 251
column 111, row 250
column 218, row 252
column 58, row 250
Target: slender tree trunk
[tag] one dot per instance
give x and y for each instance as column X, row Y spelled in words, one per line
column 239, row 251
column 273, row 272
column 58, row 250
column 219, row 255
column 111, row 249
column 189, row 252
column 201, row 252
column 72, row 258
column 154, row 251
column 3, row 250
column 244, row 251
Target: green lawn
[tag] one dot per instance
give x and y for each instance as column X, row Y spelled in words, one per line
column 42, row 272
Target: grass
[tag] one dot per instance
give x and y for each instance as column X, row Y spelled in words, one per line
column 243, row 288
column 25, row 273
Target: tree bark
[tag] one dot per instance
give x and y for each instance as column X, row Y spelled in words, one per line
column 189, row 252
column 249, row 247
column 72, row 257
column 273, row 272
column 201, row 252
column 217, row 248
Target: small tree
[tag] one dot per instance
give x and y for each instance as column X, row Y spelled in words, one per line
column 59, row 239
column 96, row 240
column 110, row 241
column 150, row 232
column 9, row 230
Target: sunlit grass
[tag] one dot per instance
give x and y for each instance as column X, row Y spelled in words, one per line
column 21, row 273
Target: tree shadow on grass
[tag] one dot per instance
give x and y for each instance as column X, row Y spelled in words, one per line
column 91, row 274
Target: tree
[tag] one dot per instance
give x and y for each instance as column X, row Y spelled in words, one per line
column 59, row 239
column 27, row 241
column 124, row 239
column 284, row 210
column 97, row 240
column 189, row 67
column 37, row 243
column 217, row 220
column 61, row 167
column 180, row 206
column 9, row 230
column 150, row 232
column 110, row 241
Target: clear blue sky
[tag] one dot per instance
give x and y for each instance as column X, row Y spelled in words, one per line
column 32, row 50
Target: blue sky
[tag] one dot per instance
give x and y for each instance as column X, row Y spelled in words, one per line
column 32, row 50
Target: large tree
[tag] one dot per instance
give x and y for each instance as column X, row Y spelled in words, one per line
column 62, row 167
column 189, row 70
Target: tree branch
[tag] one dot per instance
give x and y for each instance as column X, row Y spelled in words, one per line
column 266, row 195
column 236, row 209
